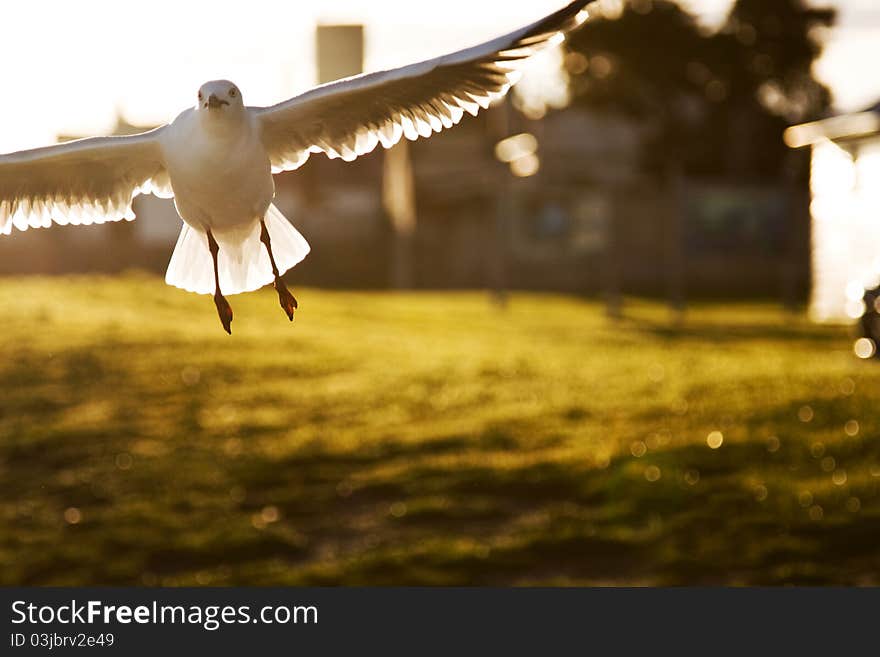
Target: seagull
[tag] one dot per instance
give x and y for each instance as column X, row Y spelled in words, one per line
column 217, row 159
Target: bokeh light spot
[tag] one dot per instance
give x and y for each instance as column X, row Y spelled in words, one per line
column 72, row 516
column 601, row 67
column 270, row 514
column 806, row 414
column 526, row 166
column 715, row 439
column 657, row 373
column 855, row 309
column 865, row 348
column 576, row 63
column 516, row 147
column 190, row 376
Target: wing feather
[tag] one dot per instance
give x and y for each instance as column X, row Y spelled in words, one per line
column 351, row 117
column 82, row 182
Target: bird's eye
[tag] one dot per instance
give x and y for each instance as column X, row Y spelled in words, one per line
column 200, row 95
column 232, row 93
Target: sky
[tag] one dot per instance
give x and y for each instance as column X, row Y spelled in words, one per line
column 68, row 67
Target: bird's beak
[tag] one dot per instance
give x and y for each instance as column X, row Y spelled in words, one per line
column 215, row 103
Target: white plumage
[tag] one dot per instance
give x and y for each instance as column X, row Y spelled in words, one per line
column 245, row 267
column 217, row 159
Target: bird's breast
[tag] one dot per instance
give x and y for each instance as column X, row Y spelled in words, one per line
column 219, row 180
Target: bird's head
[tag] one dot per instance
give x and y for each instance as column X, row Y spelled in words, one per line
column 219, row 98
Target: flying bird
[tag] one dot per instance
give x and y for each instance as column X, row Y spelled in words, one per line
column 217, row 159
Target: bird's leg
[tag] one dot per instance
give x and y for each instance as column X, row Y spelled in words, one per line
column 287, row 300
column 224, row 310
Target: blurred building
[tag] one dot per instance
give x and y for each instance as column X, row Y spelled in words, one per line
column 340, row 51
column 845, row 208
column 581, row 217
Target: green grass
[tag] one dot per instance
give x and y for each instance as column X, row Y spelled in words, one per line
column 427, row 439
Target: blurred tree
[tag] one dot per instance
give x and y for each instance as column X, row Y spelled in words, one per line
column 780, row 40
column 715, row 103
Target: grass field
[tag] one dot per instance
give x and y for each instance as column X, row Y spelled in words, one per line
column 427, row 439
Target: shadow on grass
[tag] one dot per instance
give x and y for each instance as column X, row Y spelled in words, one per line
column 702, row 522
column 425, row 513
column 796, row 330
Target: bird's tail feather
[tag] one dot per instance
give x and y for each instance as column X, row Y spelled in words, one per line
column 243, row 261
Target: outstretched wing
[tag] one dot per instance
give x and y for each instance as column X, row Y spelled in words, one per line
column 88, row 181
column 349, row 118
